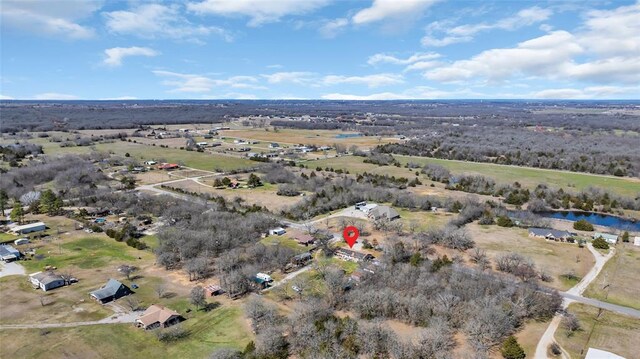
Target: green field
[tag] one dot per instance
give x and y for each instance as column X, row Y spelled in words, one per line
column 199, row 160
column 607, row 331
column 617, row 283
column 86, row 253
column 529, row 177
column 221, row 327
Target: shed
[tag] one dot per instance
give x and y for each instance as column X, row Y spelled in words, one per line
column 277, row 231
column 28, row 228
column 636, row 241
column 47, row 280
column 212, row 290
column 21, row 241
column 304, row 239
column 111, row 291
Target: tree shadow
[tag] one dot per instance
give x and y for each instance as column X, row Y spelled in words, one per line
column 210, row 306
column 169, row 295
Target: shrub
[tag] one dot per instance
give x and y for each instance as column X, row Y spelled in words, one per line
column 583, row 225
column 600, row 243
column 504, row 221
column 511, row 349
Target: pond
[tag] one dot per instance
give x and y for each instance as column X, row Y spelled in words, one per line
column 596, row 219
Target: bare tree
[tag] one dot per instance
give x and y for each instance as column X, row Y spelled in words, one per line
column 198, row 297
column 132, row 303
column 160, row 289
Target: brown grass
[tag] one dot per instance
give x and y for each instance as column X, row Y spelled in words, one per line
column 554, row 258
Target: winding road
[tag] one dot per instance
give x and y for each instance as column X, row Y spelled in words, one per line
column 575, row 295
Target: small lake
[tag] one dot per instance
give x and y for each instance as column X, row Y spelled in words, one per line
column 596, row 219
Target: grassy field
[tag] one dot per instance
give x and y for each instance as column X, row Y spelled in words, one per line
column 199, row 160
column 618, row 281
column 554, row 258
column 608, row 331
column 529, row 177
column 221, row 327
column 284, row 241
column 313, row 137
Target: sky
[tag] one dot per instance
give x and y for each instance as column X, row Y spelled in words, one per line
column 319, row 49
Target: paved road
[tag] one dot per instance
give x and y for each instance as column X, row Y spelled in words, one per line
column 604, row 305
column 12, row 268
column 118, row 318
column 575, row 295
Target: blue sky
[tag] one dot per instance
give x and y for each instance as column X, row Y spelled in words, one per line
column 319, row 49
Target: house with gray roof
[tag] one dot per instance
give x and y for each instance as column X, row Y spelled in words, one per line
column 47, row 280
column 111, row 291
column 8, row 253
column 384, row 212
column 551, row 234
column 610, row 238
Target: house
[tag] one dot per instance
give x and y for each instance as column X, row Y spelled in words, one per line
column 264, row 277
column 277, row 231
column 601, row 354
column 111, row 291
column 243, row 149
column 359, row 205
column 551, row 234
column 354, row 256
column 636, row 241
column 383, row 212
column 21, row 241
column 212, row 290
column 208, row 137
column 168, row 166
column 158, row 316
column 610, row 238
column 29, row 228
column 47, row 280
column 8, row 253
column 368, row 207
column 274, row 145
column 304, row 239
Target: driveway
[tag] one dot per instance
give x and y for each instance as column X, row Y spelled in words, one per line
column 575, row 294
column 12, row 268
column 118, row 318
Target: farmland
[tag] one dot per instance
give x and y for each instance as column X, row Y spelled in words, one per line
column 529, row 177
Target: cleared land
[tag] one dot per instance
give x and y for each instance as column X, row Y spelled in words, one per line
column 221, row 327
column 618, row 281
column 606, row 331
column 529, row 177
column 554, row 258
column 312, row 137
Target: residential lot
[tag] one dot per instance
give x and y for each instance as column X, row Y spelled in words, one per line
column 617, row 283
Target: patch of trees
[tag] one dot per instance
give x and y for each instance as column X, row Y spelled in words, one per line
column 14, row 153
column 583, row 225
column 381, row 159
column 600, row 243
column 70, row 175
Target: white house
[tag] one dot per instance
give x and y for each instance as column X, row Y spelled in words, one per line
column 28, row 228
column 636, row 241
column 277, row 231
column 46, row 280
column 610, row 238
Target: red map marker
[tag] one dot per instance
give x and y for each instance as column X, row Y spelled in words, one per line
column 350, row 235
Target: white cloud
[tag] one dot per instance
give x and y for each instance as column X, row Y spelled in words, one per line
column 115, row 55
column 332, row 28
column 466, row 33
column 5, row 97
column 422, row 65
column 54, row 96
column 372, row 97
column 391, row 9
column 159, row 21
column 390, row 59
column 376, row 80
column 593, row 92
column 53, row 18
column 545, row 55
column 292, row 77
column 605, row 49
column 194, row 83
column 259, row 11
